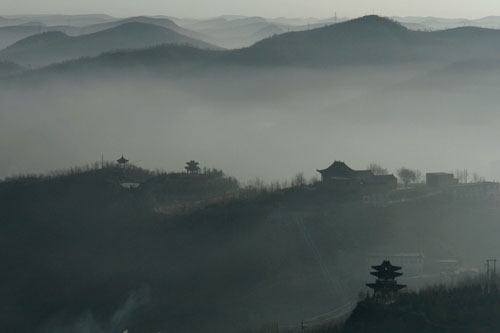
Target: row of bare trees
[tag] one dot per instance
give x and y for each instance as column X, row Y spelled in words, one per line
column 298, row 180
column 463, row 177
column 406, row 176
column 409, row 176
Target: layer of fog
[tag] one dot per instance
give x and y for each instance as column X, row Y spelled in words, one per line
column 269, row 124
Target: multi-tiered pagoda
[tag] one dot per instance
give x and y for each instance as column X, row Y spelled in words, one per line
column 386, row 286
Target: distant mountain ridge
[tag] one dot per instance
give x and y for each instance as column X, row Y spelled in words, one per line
column 52, row 47
column 56, row 19
column 437, row 23
column 13, row 33
column 370, row 40
column 162, row 22
column 235, row 32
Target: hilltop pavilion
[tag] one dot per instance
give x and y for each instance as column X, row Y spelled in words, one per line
column 122, row 161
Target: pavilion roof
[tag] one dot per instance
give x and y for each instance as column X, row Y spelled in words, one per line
column 386, row 266
column 122, row 160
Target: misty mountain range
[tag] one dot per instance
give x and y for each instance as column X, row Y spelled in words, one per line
column 225, row 31
column 51, row 47
column 11, row 34
column 369, row 40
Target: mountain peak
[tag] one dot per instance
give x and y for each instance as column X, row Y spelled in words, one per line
column 373, row 21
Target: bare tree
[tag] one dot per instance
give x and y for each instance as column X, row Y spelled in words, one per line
column 462, row 175
column 299, row 180
column 256, row 184
column 314, row 180
column 406, row 176
column 377, row 169
column 418, row 176
column 275, row 186
column 477, row 178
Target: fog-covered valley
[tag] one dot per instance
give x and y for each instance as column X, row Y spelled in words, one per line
column 266, row 123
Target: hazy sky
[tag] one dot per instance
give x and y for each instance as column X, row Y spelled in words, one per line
column 269, row 8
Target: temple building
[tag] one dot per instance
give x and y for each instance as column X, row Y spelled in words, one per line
column 386, row 285
column 339, row 175
column 440, row 179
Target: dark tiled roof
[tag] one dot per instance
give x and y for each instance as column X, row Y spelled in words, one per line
column 386, row 265
column 340, row 169
column 122, row 160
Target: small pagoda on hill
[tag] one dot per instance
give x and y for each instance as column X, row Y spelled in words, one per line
column 122, row 161
column 386, row 286
column 192, row 167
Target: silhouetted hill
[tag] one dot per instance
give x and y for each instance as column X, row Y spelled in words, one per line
column 11, row 34
column 467, row 307
column 159, row 21
column 166, row 59
column 84, row 235
column 243, row 261
column 437, row 23
column 369, row 40
column 53, row 47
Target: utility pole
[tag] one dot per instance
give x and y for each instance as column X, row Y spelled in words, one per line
column 490, row 274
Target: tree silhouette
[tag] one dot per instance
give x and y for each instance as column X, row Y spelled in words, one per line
column 407, row 176
column 377, row 169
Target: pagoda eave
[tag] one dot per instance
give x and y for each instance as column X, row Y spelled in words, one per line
column 385, row 287
column 386, row 274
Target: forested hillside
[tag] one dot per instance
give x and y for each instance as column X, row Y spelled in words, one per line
column 243, row 260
